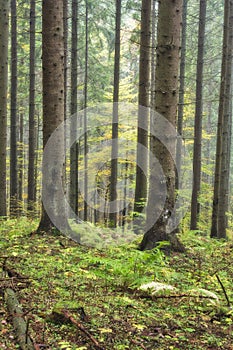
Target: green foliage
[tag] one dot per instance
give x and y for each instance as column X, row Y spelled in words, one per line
column 106, row 282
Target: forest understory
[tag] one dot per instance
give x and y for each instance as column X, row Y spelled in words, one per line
column 75, row 297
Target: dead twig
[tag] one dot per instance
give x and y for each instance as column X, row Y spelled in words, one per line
column 224, row 290
column 135, row 342
column 69, row 317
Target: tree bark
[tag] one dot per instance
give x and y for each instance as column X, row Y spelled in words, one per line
column 14, row 117
column 226, row 134
column 195, row 205
column 181, row 90
column 53, row 113
column 31, row 139
column 19, row 323
column 114, row 153
column 215, row 210
column 4, row 37
column 165, row 104
column 85, row 118
column 74, row 109
column 143, row 113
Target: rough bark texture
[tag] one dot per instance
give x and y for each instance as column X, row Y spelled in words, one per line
column 74, row 109
column 181, row 89
column 53, row 108
column 4, row 36
column 226, row 135
column 215, row 210
column 14, row 117
column 114, row 155
column 165, row 104
column 143, row 100
column 19, row 323
column 85, row 115
column 31, row 140
column 195, row 205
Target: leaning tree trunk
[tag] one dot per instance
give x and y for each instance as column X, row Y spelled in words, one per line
column 195, row 205
column 166, row 98
column 4, row 37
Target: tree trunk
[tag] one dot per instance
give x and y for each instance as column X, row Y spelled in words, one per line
column 31, row 140
column 85, row 118
column 21, row 161
column 214, row 225
column 195, row 205
column 226, row 134
column 143, row 113
column 73, row 110
column 4, row 37
column 13, row 128
column 181, row 90
column 53, row 114
column 114, row 153
column 162, row 186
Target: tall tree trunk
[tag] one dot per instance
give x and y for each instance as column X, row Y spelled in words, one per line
column 226, row 134
column 4, row 37
column 214, row 225
column 181, row 90
column 114, row 153
column 195, row 205
column 166, row 98
column 85, row 118
column 53, row 113
column 143, row 113
column 31, row 140
column 21, row 160
column 13, row 128
column 74, row 109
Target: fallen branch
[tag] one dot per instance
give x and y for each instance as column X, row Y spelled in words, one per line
column 20, row 326
column 69, row 317
column 224, row 290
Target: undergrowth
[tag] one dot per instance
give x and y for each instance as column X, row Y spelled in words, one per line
column 101, row 289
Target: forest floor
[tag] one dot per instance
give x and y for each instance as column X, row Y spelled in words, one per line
column 74, row 297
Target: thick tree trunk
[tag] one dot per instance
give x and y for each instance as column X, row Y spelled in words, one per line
column 143, row 115
column 195, row 205
column 53, row 114
column 165, row 104
column 4, row 37
column 166, row 98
